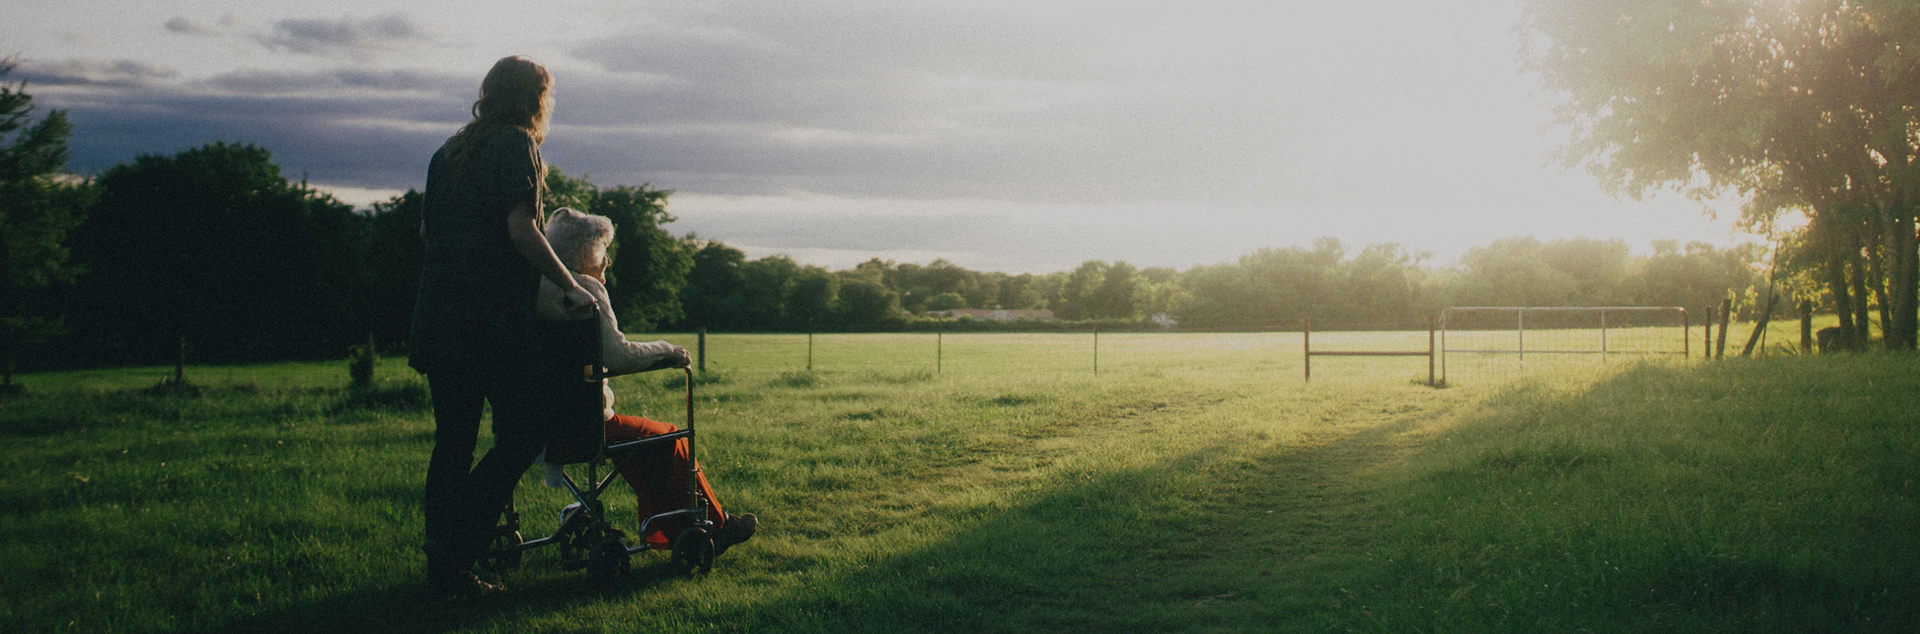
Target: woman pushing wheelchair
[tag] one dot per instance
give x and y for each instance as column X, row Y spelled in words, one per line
column 474, row 325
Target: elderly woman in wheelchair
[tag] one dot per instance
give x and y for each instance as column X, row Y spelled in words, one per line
column 676, row 507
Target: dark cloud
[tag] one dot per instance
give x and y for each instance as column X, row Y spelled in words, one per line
column 228, row 25
column 344, row 35
column 378, row 136
column 268, row 82
column 94, row 72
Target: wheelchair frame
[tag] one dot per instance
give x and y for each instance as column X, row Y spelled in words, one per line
column 586, row 536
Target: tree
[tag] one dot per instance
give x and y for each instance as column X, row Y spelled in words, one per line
column 715, row 286
column 1695, row 277
column 813, row 300
column 37, row 212
column 867, row 304
column 1808, row 106
column 1020, row 292
column 214, row 245
column 1115, row 298
column 766, row 285
column 946, row 301
column 395, row 255
column 1076, row 299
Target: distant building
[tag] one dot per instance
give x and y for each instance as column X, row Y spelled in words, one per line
column 1165, row 320
column 994, row 314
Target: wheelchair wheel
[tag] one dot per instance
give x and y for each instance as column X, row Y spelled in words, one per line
column 608, row 559
column 693, row 551
column 504, row 553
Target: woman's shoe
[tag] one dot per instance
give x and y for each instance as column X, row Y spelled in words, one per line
column 739, row 528
column 460, row 585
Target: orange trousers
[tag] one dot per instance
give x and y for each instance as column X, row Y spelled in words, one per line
column 658, row 476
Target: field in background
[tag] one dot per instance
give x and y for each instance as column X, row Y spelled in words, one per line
column 1196, row 484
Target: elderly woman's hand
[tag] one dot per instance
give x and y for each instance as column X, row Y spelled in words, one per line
column 679, row 358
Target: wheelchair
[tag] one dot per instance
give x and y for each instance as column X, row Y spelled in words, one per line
column 570, row 379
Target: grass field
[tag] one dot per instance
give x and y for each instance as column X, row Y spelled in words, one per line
column 994, row 483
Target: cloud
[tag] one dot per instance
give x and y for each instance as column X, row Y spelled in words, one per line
column 260, row 82
column 124, row 72
column 350, row 127
column 323, row 37
column 229, row 24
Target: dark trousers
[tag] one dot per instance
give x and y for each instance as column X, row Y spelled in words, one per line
column 463, row 500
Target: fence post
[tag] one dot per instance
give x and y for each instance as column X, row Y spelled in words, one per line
column 1306, row 346
column 1431, row 327
column 1520, row 324
column 703, row 350
column 1806, row 326
column 1726, row 314
column 1603, row 336
column 1706, row 332
column 180, row 365
column 809, row 348
column 939, row 349
column 1096, row 346
column 1686, row 335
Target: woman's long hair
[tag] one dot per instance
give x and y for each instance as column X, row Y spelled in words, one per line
column 517, row 93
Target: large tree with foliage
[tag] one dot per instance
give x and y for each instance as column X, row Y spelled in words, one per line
column 395, row 254
column 38, row 209
column 714, row 294
column 214, row 245
column 1807, row 105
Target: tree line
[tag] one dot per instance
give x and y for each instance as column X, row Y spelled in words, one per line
column 214, row 249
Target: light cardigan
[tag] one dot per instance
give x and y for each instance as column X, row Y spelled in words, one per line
column 616, row 353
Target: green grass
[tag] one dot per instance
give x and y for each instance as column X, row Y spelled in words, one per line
column 1195, row 484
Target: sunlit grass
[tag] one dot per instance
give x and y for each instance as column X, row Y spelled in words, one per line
column 993, row 482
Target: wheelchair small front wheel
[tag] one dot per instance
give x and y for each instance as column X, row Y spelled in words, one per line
column 608, row 559
column 693, row 551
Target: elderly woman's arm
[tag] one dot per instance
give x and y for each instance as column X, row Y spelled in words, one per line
column 626, row 357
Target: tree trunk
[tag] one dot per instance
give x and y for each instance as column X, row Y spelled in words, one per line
column 1900, row 332
column 1766, row 312
column 6, row 339
column 1876, row 275
column 1760, row 321
column 1806, row 326
column 1837, row 284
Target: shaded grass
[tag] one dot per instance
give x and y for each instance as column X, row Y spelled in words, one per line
column 1773, row 494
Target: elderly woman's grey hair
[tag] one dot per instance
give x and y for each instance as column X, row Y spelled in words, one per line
column 573, row 235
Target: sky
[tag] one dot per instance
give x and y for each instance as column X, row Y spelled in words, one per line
column 1018, row 136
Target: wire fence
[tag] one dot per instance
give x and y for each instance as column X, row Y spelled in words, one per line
column 1360, row 353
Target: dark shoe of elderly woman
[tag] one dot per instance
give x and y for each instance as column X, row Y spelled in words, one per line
column 739, row 528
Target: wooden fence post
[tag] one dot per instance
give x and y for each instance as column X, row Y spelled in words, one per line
column 1726, row 314
column 1432, row 325
column 1806, row 326
column 1306, row 346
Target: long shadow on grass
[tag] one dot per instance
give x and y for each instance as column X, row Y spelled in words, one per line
column 1223, row 537
column 1262, row 541
column 407, row 607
